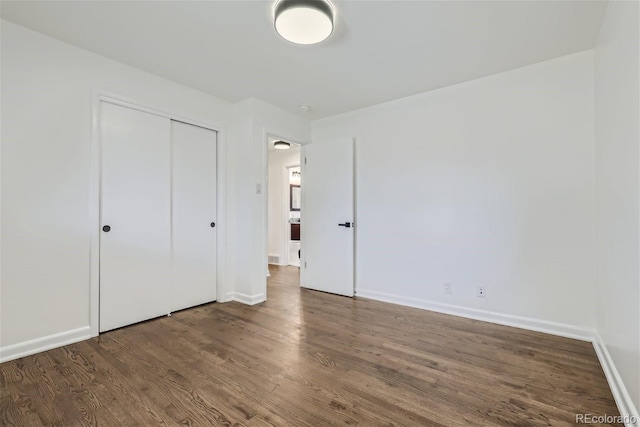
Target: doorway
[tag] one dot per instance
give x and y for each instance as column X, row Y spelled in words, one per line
column 283, row 206
column 293, row 217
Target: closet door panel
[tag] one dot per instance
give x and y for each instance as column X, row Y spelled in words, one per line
column 135, row 252
column 193, row 213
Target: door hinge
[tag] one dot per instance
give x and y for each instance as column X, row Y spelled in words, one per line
column 305, row 264
column 305, row 160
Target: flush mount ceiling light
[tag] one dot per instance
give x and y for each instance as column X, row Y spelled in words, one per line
column 281, row 145
column 304, row 21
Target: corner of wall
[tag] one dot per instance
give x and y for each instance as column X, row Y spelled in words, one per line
column 620, row 393
column 617, row 178
column 249, row 299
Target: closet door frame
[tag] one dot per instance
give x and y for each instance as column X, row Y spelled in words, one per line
column 98, row 98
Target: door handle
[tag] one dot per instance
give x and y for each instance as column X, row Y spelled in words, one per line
column 346, row 224
column 213, row 224
column 106, row 228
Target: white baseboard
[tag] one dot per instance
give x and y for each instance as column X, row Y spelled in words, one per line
column 38, row 345
column 227, row 297
column 622, row 398
column 553, row 328
column 625, row 404
column 249, row 299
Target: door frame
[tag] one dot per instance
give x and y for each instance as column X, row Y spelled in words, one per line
column 266, row 134
column 95, row 198
column 285, row 200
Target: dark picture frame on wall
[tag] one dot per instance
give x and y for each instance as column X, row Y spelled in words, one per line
column 294, row 197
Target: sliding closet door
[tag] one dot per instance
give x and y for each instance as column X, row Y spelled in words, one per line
column 135, row 251
column 193, row 215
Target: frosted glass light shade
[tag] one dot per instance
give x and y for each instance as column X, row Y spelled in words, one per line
column 304, row 21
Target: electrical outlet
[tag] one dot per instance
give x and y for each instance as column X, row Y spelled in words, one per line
column 482, row 291
column 447, row 288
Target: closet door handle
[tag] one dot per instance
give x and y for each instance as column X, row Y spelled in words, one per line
column 346, row 224
column 106, row 228
column 213, row 224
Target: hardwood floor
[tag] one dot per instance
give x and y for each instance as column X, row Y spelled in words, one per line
column 307, row 358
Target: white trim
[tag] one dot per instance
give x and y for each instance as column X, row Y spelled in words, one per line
column 227, row 297
column 620, row 394
column 623, row 400
column 139, row 106
column 284, row 247
column 27, row 348
column 553, row 328
column 249, row 299
column 221, row 213
column 96, row 189
column 287, row 206
column 94, row 217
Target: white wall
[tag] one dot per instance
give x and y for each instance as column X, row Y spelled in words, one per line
column 253, row 121
column 46, row 139
column 278, row 195
column 618, row 190
column 48, row 88
column 489, row 182
column 240, row 191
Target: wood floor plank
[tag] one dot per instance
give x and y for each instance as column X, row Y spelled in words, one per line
column 308, row 358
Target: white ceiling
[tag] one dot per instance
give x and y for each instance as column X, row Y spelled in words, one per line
column 380, row 50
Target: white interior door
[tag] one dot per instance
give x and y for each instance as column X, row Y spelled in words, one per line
column 135, row 216
column 327, row 217
column 194, row 215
